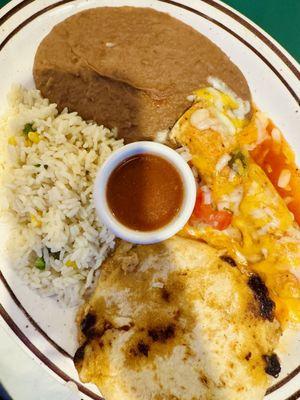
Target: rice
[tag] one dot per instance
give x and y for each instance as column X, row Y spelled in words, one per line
column 46, row 193
column 110, row 44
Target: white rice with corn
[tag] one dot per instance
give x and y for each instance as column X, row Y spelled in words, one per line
column 48, row 162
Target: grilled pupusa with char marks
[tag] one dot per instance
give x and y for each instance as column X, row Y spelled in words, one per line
column 177, row 320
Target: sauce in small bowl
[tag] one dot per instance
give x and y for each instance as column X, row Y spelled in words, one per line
column 145, row 192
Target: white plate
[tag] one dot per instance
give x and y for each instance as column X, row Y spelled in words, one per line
column 40, row 325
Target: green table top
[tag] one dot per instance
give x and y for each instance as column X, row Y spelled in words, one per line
column 280, row 18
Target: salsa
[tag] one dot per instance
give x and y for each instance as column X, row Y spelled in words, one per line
column 145, row 192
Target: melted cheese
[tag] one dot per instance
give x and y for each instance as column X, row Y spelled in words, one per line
column 263, row 236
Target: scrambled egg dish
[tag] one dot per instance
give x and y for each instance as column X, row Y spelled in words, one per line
column 248, row 197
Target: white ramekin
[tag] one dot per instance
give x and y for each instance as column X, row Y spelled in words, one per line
column 135, row 236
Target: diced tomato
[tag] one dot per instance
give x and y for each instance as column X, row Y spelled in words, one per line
column 221, row 219
column 272, row 157
column 205, row 213
column 198, row 204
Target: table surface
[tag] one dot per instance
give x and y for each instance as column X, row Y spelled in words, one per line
column 281, row 20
